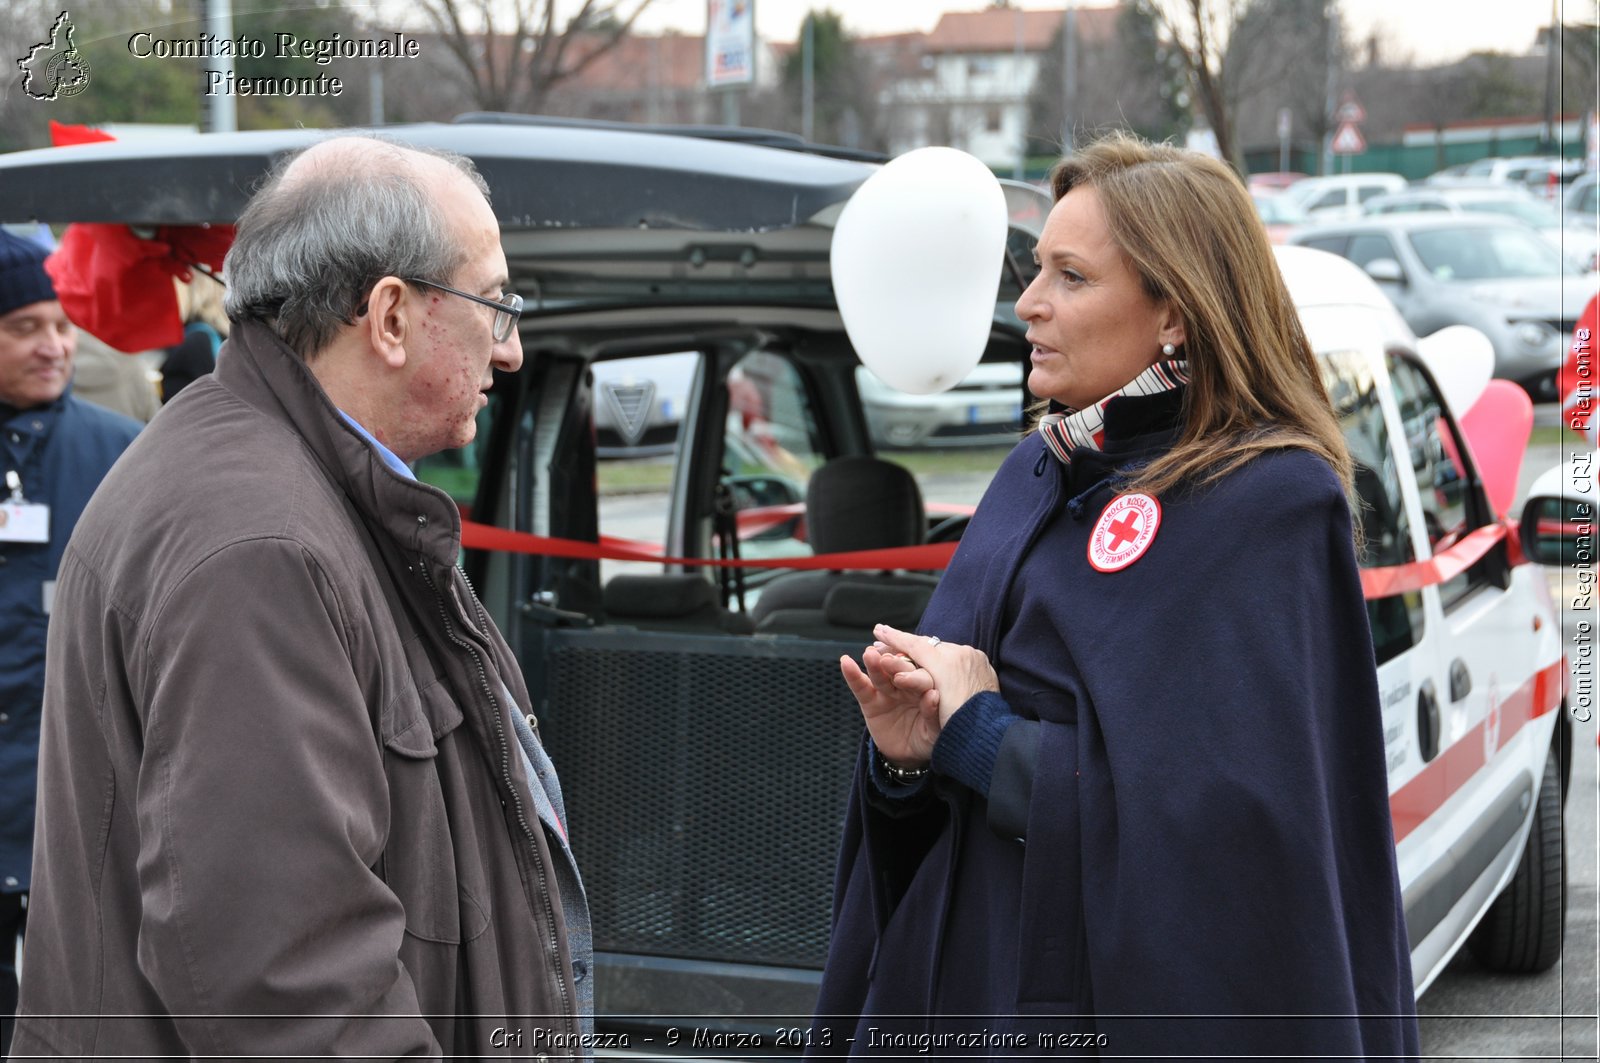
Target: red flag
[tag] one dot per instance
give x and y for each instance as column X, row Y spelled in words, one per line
column 62, row 135
column 118, row 285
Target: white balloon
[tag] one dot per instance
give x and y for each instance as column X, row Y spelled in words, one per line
column 916, row 262
column 1461, row 360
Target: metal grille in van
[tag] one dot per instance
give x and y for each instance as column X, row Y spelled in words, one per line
column 705, row 781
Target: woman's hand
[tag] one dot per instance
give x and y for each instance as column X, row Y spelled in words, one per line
column 910, row 687
column 903, row 721
column 948, row 672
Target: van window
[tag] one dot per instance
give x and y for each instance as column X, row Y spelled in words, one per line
column 639, row 407
column 1443, row 478
column 1397, row 620
column 1369, row 247
column 770, row 448
column 1333, row 197
column 1332, row 244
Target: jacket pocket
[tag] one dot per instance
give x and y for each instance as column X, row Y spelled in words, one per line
column 419, row 861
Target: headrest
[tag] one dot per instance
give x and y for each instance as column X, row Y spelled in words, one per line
column 861, row 605
column 672, row 595
column 862, row 503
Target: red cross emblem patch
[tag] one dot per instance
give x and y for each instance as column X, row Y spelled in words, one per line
column 1124, row 532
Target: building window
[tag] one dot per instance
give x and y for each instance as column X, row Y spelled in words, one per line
column 994, row 119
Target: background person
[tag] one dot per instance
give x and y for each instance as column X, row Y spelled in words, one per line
column 205, row 326
column 55, row 448
column 1138, row 790
column 290, row 799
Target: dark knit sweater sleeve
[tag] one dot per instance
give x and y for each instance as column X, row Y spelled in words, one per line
column 992, row 751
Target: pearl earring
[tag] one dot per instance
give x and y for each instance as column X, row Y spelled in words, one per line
column 1168, row 349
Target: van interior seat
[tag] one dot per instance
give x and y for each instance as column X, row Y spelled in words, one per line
column 670, row 602
column 852, row 503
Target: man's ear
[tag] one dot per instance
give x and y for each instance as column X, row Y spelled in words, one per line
column 389, row 305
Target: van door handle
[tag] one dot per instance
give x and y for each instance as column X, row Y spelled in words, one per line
column 1460, row 680
column 1427, row 722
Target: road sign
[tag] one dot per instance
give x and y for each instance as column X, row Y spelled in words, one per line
column 1348, row 140
column 1350, row 110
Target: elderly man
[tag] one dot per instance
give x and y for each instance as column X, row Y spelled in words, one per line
column 54, row 450
column 290, row 798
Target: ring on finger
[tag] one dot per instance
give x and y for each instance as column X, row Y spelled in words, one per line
column 933, row 640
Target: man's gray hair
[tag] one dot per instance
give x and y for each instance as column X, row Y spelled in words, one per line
column 308, row 250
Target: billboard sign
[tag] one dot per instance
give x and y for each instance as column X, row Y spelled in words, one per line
column 730, row 43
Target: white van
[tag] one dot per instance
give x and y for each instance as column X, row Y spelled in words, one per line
column 1341, row 195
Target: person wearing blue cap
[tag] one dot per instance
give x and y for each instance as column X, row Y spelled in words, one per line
column 54, row 450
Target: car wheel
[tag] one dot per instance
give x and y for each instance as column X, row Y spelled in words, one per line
column 1523, row 930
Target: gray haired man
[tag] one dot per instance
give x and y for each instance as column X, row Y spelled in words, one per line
column 286, row 768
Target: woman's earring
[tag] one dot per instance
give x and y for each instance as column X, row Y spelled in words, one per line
column 1168, row 349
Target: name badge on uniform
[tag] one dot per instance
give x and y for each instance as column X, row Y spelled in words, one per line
column 49, row 595
column 24, row 522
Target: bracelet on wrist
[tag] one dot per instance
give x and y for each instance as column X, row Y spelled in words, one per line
column 903, row 776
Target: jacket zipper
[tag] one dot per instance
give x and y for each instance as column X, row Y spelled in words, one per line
column 505, row 769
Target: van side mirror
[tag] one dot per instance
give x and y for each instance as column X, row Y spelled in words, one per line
column 1386, row 271
column 1558, row 519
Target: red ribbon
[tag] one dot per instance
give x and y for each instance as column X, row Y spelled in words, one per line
column 475, row 536
column 1375, row 582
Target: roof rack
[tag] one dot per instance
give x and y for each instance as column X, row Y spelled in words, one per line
column 767, row 138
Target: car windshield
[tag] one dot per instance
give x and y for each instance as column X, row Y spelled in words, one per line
column 1471, row 254
column 1535, row 214
column 1276, row 210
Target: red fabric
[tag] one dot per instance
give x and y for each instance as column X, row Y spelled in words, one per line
column 62, row 135
column 118, row 286
column 1578, row 405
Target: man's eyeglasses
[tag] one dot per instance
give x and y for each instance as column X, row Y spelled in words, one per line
column 507, row 308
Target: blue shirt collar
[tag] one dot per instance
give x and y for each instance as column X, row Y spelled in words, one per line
column 389, row 457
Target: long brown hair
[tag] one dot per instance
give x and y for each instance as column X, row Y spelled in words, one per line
column 1190, row 232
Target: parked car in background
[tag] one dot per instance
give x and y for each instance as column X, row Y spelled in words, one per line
column 1578, row 242
column 1497, row 276
column 984, row 409
column 1582, row 201
column 1537, row 174
column 1279, row 214
column 1274, row 181
column 1341, row 195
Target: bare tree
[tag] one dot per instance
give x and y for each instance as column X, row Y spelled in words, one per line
column 1199, row 29
column 512, row 52
column 1237, row 50
column 1134, row 79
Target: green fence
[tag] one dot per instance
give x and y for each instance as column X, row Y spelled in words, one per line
column 1412, row 161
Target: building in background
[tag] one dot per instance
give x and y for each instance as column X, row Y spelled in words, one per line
column 973, row 75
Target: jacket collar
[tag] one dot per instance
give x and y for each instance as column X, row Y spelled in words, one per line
column 258, row 367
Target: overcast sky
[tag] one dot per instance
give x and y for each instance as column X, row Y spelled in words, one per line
column 1431, row 30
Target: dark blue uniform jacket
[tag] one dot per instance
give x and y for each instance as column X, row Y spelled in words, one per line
column 62, row 451
column 1182, row 843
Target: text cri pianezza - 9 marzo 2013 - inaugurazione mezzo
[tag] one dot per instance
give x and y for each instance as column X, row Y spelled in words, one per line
column 321, row 50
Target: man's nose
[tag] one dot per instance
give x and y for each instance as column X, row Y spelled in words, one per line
column 507, row 356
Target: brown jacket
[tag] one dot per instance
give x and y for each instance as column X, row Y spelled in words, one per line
column 276, row 772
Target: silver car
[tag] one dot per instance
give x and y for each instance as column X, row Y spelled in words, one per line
column 1576, row 239
column 985, row 409
column 1497, row 276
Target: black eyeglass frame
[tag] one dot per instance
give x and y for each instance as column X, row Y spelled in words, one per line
column 509, row 305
